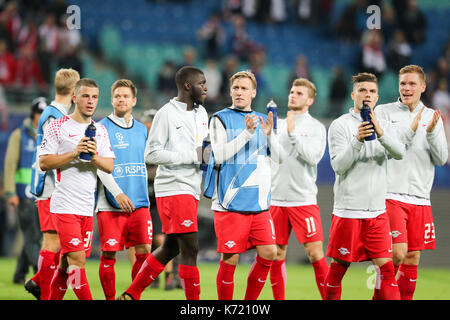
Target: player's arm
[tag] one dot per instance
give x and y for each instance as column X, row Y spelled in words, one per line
column 10, row 167
column 110, row 183
column 49, row 159
column 103, row 163
column 388, row 138
column 102, row 154
column 310, row 148
column 222, row 149
column 344, row 151
column 156, row 151
column 437, row 140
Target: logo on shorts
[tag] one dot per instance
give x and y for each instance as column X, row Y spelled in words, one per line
column 187, row 223
column 343, row 251
column 395, row 233
column 230, row 244
column 75, row 241
column 112, row 242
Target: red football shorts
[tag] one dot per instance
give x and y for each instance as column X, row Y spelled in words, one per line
column 119, row 229
column 237, row 232
column 354, row 240
column 305, row 220
column 75, row 232
column 45, row 217
column 178, row 213
column 411, row 224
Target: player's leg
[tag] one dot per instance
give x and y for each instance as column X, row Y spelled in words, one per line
column 225, row 275
column 77, row 260
column 141, row 252
column 278, row 273
column 110, row 226
column 378, row 248
column 75, row 233
column 262, row 235
column 314, row 251
column 342, row 244
column 49, row 254
column 282, row 228
column 421, row 236
column 333, row 280
column 76, row 271
column 187, row 269
column 139, row 236
column 386, row 287
column 307, row 225
column 399, row 252
column 58, row 286
column 259, row 271
column 47, row 263
column 407, row 275
column 153, row 265
column 107, row 274
column 398, row 221
column 229, row 228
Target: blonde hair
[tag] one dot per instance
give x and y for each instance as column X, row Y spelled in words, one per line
column 244, row 74
column 302, row 82
column 65, row 80
column 413, row 69
column 124, row 83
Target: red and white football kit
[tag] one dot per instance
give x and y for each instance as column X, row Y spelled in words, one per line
column 76, row 183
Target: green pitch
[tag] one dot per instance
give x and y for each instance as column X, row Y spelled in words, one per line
column 433, row 284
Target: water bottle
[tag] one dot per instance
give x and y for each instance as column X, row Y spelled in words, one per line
column 272, row 107
column 89, row 133
column 365, row 115
column 205, row 153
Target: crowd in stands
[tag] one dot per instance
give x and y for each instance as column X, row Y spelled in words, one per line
column 34, row 40
column 30, row 44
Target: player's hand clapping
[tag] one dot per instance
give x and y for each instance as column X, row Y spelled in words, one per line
column 251, row 122
column 268, row 125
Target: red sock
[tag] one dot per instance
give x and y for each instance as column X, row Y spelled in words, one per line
column 320, row 271
column 407, row 281
column 278, row 279
column 225, row 281
column 140, row 258
column 79, row 283
column 396, row 266
column 333, row 281
column 36, row 278
column 108, row 277
column 387, row 288
column 190, row 279
column 150, row 270
column 46, row 269
column 58, row 285
column 257, row 278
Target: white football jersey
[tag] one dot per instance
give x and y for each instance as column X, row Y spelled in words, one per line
column 76, row 181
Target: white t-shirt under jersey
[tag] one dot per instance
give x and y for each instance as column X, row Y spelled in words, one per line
column 76, row 181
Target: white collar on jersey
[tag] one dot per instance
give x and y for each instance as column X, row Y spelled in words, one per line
column 121, row 121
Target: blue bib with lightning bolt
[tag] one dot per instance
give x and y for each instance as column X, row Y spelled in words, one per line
column 243, row 181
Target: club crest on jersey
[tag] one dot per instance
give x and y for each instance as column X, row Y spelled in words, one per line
column 343, row 251
column 230, row 244
column 187, row 223
column 112, row 242
column 75, row 241
column 395, row 233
